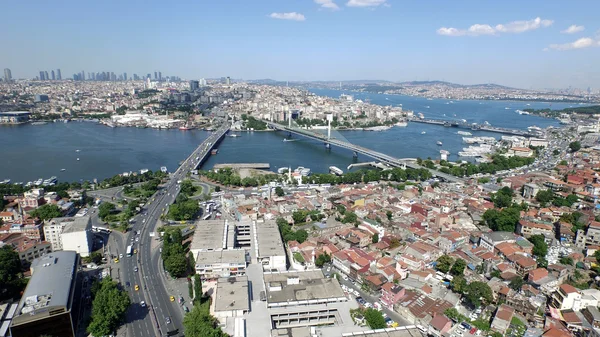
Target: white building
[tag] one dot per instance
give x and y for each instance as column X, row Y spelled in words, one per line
column 70, row 233
column 269, row 246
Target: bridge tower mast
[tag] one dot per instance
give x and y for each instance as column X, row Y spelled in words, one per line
column 329, row 119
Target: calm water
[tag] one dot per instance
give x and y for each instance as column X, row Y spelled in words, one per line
column 30, row 152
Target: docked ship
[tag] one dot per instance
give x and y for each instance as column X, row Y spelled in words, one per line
column 464, row 133
column 420, row 114
column 214, row 151
column 335, row 170
column 283, row 170
column 534, row 128
column 39, row 123
column 186, row 127
column 49, row 182
column 401, row 124
column 5, row 181
column 304, row 171
column 163, row 169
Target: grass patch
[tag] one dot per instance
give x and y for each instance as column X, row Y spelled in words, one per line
column 298, row 257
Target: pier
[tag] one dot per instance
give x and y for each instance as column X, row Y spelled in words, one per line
column 475, row 127
column 237, row 166
column 378, row 165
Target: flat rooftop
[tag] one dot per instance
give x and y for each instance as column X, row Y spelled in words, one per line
column 405, row 331
column 209, row 235
column 221, row 256
column 79, row 224
column 303, row 286
column 268, row 239
column 49, row 289
column 232, row 294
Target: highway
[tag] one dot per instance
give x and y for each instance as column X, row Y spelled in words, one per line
column 144, row 269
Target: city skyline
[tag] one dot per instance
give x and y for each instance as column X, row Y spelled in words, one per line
column 540, row 45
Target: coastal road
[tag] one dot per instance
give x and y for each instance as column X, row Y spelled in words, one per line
column 161, row 316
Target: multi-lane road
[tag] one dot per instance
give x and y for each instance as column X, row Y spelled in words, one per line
column 152, row 312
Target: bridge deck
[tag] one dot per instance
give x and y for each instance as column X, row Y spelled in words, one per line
column 258, row 166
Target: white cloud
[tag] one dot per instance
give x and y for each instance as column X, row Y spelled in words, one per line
column 584, row 42
column 523, row 26
column 288, row 16
column 514, row 27
column 573, row 29
column 329, row 4
column 365, row 3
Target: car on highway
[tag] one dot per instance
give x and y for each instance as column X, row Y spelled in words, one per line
column 120, row 256
column 168, row 319
column 127, row 284
column 137, row 287
column 135, row 269
column 172, row 299
column 143, row 304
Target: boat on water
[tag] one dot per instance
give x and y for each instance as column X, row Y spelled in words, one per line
column 38, row 182
column 423, row 132
column 39, row 123
column 521, row 112
column 214, row 151
column 63, row 170
column 77, row 150
column 5, row 181
column 427, row 106
column 486, row 123
column 335, row 170
column 464, row 133
column 49, row 182
column 110, row 125
column 163, row 169
column 289, row 140
column 507, row 108
column 186, row 127
column 439, row 143
column 283, row 170
column 233, row 135
column 402, row 124
column 304, row 171
column 420, row 114
column 534, row 128
column 77, row 159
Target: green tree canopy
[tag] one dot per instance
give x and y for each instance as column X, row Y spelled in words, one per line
column 105, row 209
column 458, row 268
column 478, row 293
column 503, row 198
column 503, row 220
column 374, row 319
column 11, row 281
column 108, row 308
column 540, row 247
column 279, row 191
column 544, row 196
column 459, row 285
column 516, row 283
column 575, row 146
column 444, row 263
column 47, row 212
column 375, row 238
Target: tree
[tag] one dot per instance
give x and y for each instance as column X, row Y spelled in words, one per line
column 105, row 209
column 299, row 216
column 10, row 272
column 516, row 283
column 374, row 319
column 458, row 285
column 503, row 220
column 108, row 308
column 199, row 323
column 46, row 212
column 544, row 197
column 389, row 215
column 575, row 146
column 453, row 314
column 566, row 260
column 187, row 188
column 503, row 198
column 279, row 191
column 350, row 217
column 478, row 293
column 458, row 267
column 322, row 259
column 197, row 287
column 375, row 238
column 444, row 263
column 540, row 247
column 95, row 257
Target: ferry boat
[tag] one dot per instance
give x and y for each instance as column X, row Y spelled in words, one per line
column 38, row 182
column 439, row 143
column 50, row 181
column 464, row 133
column 5, row 181
column 335, row 170
column 214, row 151
column 186, row 127
column 304, row 171
column 420, row 114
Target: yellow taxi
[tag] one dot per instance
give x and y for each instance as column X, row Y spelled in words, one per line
column 172, row 298
column 137, row 287
column 117, row 260
column 135, row 251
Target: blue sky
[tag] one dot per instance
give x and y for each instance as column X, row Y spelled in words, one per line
column 525, row 44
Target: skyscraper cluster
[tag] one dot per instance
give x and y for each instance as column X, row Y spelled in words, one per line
column 53, row 76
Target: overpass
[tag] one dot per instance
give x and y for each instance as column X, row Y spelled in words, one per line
column 384, row 158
